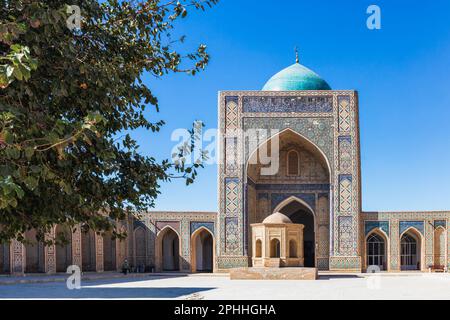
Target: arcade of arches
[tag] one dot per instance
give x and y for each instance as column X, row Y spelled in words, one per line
column 154, row 245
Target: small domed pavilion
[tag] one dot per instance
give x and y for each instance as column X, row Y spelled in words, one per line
column 277, row 242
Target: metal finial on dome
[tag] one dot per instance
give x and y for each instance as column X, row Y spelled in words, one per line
column 296, row 56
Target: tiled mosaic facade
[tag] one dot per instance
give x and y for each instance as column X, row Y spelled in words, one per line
column 327, row 120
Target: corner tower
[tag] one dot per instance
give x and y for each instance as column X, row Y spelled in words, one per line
column 294, row 148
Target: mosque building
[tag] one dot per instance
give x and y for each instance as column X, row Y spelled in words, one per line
column 314, row 179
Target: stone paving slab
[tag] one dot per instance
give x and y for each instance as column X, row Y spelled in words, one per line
column 212, row 287
column 62, row 277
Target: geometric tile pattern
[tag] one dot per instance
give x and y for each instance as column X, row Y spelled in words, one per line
column 287, row 104
column 198, row 224
column 395, row 245
column 346, row 235
column 316, row 129
column 419, row 225
column 231, row 115
column 231, row 159
column 277, row 198
column 345, row 193
column 370, row 225
column 345, row 153
column 344, row 114
column 324, row 242
column 161, row 224
column 232, row 196
column 232, row 238
column 352, row 263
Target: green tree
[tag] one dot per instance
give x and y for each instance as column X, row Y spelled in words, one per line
column 69, row 97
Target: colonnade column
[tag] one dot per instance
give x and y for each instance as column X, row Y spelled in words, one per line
column 76, row 247
column 17, row 258
column 99, row 267
column 50, row 253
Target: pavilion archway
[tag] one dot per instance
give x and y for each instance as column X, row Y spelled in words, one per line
column 299, row 188
column 202, row 250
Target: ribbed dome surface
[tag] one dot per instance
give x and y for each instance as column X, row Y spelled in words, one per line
column 277, row 218
column 296, row 77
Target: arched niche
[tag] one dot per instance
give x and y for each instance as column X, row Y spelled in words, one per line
column 411, row 250
column 63, row 248
column 109, row 252
column 168, row 245
column 202, row 250
column 377, row 250
column 88, row 250
column 34, row 253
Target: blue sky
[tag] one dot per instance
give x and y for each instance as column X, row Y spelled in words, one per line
column 401, row 72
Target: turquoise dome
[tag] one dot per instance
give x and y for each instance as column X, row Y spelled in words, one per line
column 296, row 77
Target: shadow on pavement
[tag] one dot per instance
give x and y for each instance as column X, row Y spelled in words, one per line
column 61, row 292
column 118, row 288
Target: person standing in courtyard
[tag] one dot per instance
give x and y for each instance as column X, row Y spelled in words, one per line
column 125, row 267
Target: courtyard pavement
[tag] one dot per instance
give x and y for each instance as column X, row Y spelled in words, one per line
column 329, row 286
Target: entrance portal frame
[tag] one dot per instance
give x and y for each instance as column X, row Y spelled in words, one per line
column 329, row 119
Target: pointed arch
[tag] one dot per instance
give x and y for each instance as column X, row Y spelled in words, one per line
column 411, row 250
column 63, row 251
column 140, row 245
column 88, row 250
column 202, row 250
column 164, row 229
column 34, row 253
column 252, row 159
column 167, row 251
column 109, row 252
column 290, row 199
column 414, row 231
column 377, row 251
